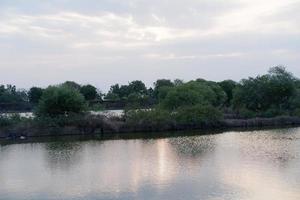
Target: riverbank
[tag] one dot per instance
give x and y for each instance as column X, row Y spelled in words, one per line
column 105, row 127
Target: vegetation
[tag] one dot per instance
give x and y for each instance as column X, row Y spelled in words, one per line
column 268, row 95
column 12, row 99
column 35, row 94
column 206, row 115
column 89, row 92
column 11, row 120
column 168, row 104
column 135, row 94
column 60, row 100
column 228, row 86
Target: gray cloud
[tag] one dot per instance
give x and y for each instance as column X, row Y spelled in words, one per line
column 109, row 41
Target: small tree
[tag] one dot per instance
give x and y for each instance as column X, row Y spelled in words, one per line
column 35, row 94
column 188, row 94
column 60, row 100
column 89, row 92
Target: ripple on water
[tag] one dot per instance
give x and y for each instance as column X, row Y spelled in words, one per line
column 249, row 165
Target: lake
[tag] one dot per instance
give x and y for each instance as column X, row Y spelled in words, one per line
column 250, row 165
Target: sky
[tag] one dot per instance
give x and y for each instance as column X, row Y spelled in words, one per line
column 103, row 42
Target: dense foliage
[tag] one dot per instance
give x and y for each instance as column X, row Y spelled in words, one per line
column 34, row 94
column 134, row 94
column 228, row 87
column 13, row 99
column 89, row 92
column 272, row 94
column 189, row 94
column 60, row 100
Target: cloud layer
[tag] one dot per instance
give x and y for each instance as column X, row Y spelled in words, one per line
column 109, row 41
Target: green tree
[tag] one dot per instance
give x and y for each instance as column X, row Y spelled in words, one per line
column 198, row 114
column 188, row 94
column 89, row 92
column 220, row 96
column 161, row 83
column 34, row 94
column 178, row 82
column 282, row 86
column 270, row 91
column 162, row 92
column 113, row 93
column 10, row 94
column 60, row 100
column 228, row 86
column 137, row 87
column 134, row 88
column 72, row 84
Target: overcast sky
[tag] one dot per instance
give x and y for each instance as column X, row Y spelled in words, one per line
column 103, row 42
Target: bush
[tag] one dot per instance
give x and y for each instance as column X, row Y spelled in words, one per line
column 198, row 114
column 12, row 120
column 60, row 100
column 188, row 94
column 96, row 107
column 273, row 112
column 151, row 117
column 5, row 121
column 71, row 119
column 246, row 113
column 296, row 112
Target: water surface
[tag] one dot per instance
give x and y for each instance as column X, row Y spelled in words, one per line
column 254, row 165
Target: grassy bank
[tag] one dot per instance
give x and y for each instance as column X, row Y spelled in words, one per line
column 132, row 122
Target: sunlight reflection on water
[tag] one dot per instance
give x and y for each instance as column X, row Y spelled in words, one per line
column 233, row 165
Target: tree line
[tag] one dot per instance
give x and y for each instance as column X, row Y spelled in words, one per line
column 274, row 93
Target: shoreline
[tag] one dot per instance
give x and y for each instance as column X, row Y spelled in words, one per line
column 111, row 129
column 137, row 135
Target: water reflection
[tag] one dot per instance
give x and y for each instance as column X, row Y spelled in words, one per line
column 62, row 155
column 193, row 146
column 234, row 165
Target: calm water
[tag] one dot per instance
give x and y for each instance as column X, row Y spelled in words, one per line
column 233, row 165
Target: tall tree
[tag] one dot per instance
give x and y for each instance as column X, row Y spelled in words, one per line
column 228, row 86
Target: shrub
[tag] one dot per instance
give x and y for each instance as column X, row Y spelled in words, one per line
column 273, row 112
column 152, row 117
column 4, row 121
column 198, row 114
column 246, row 113
column 188, row 94
column 60, row 100
column 96, row 107
column 71, row 119
column 12, row 120
column 296, row 112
